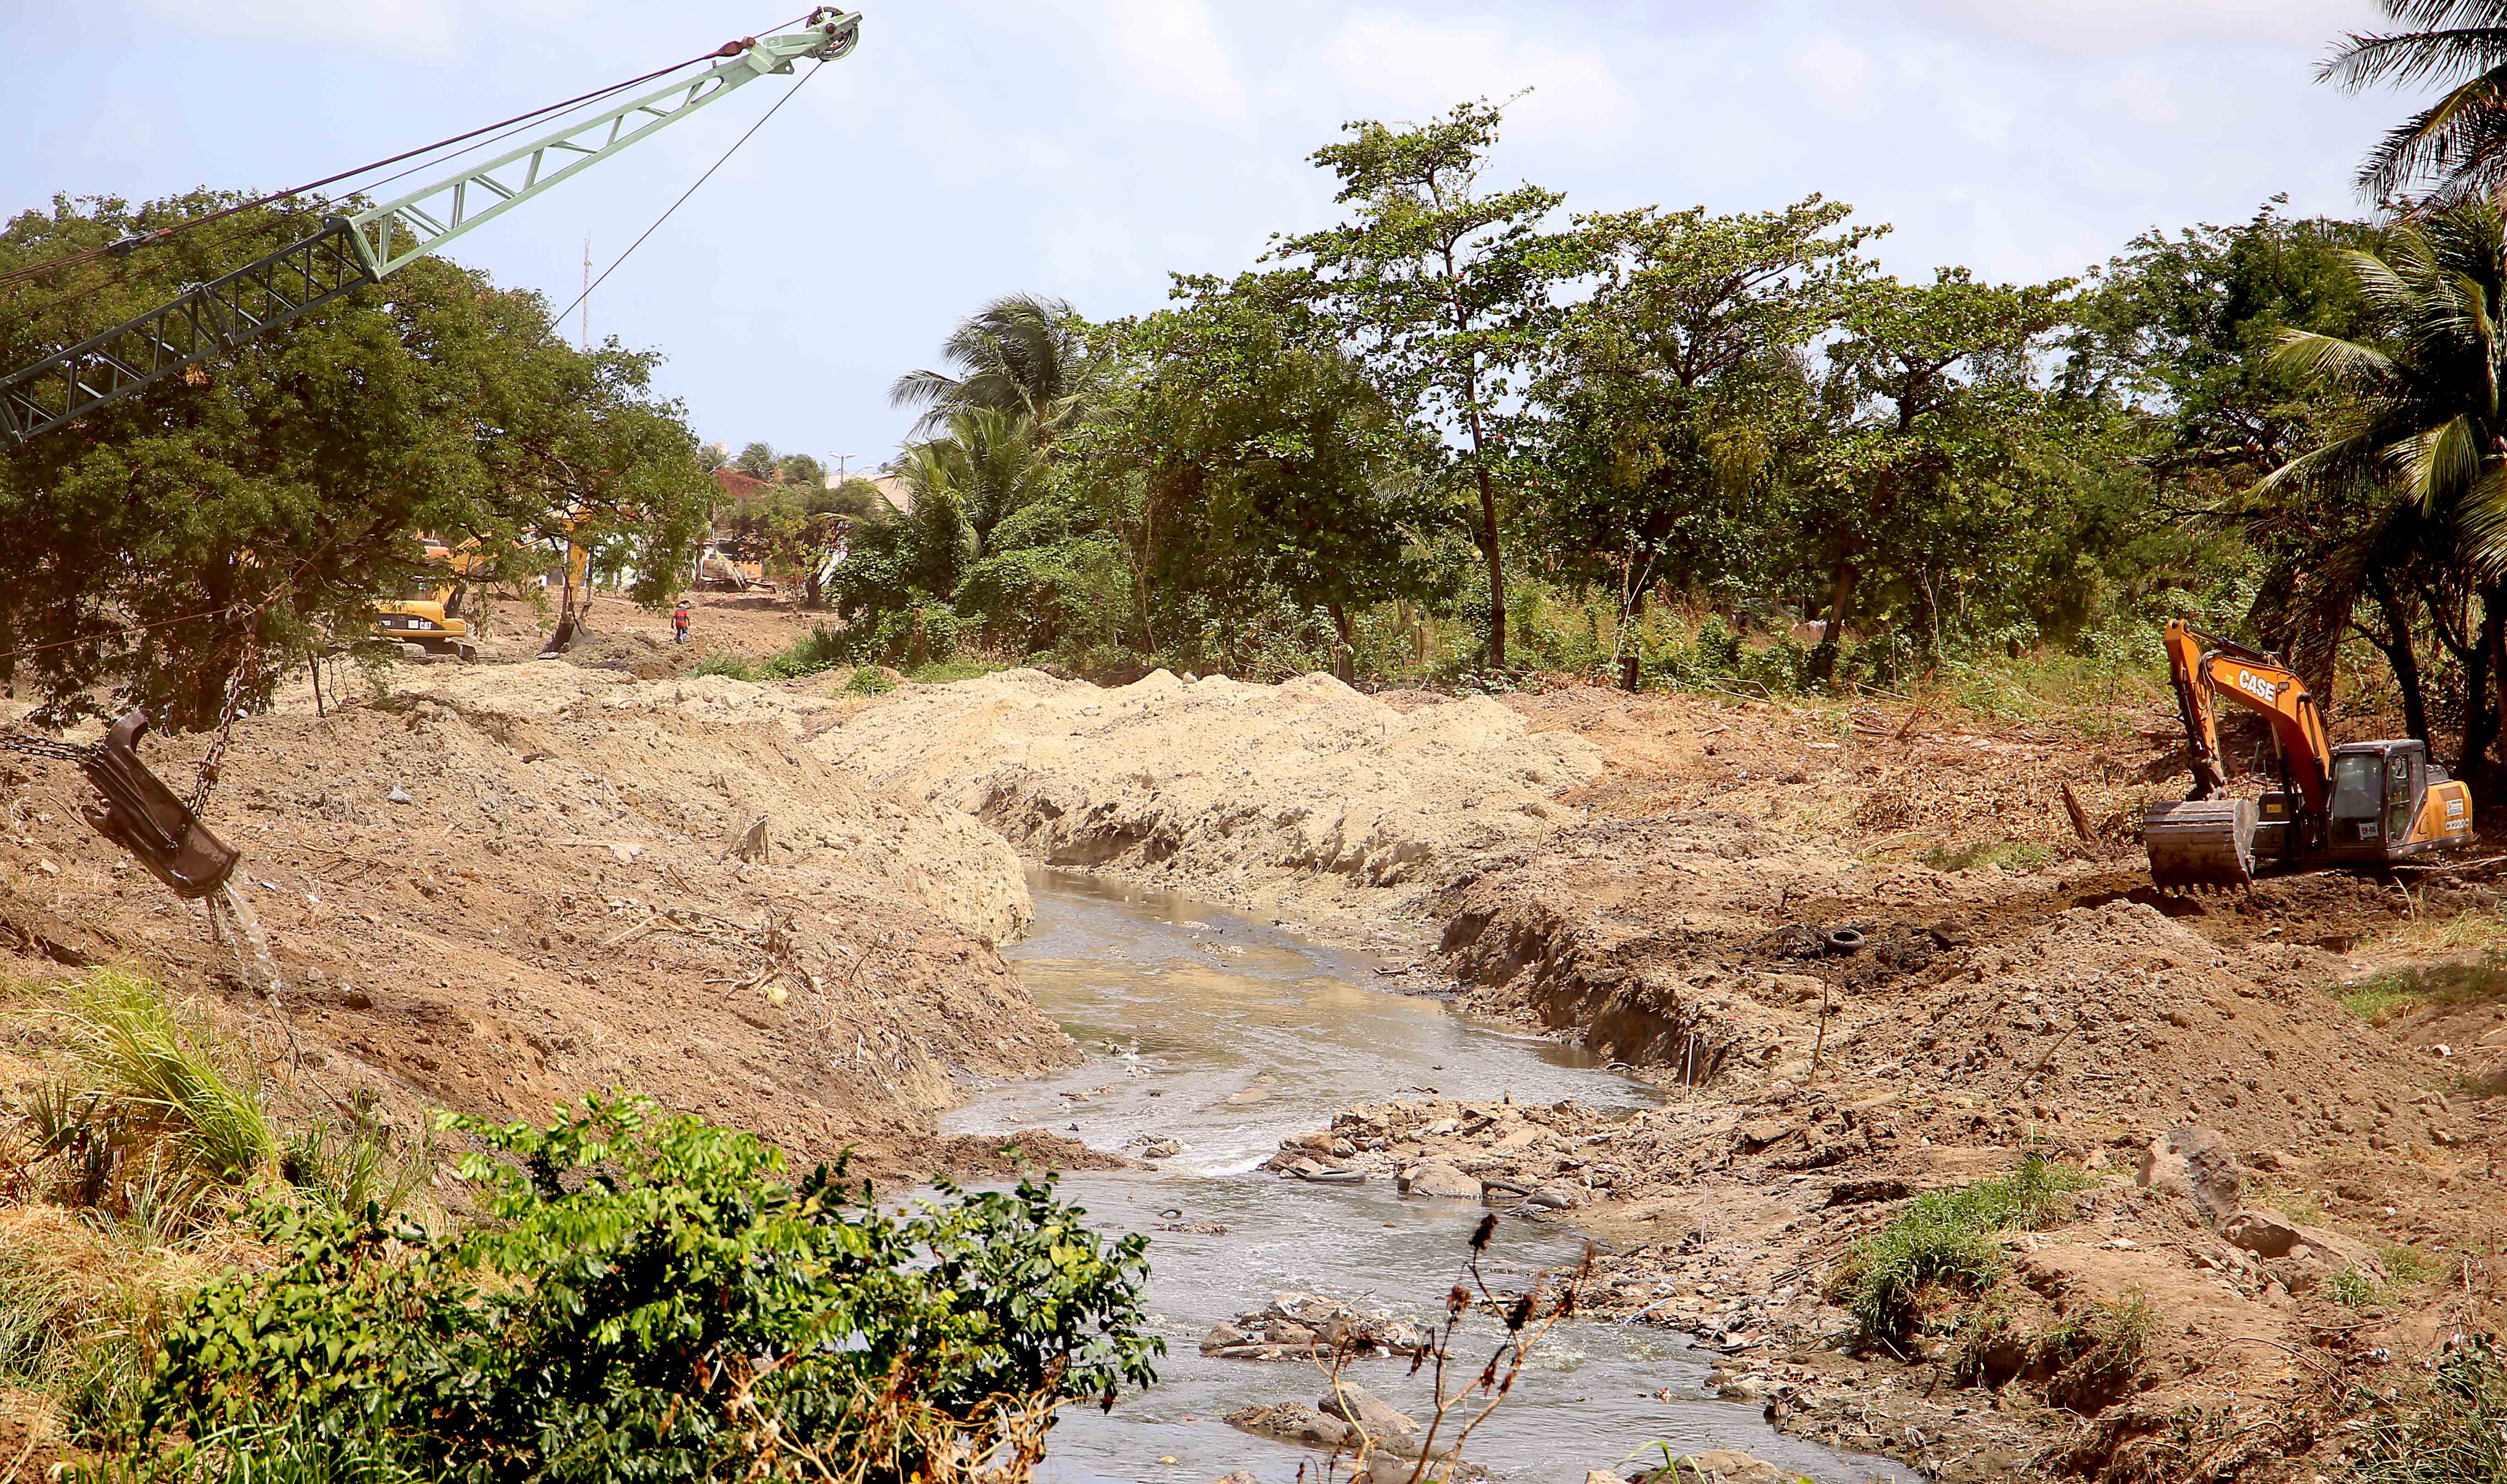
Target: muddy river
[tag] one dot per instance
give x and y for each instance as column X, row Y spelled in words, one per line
column 1225, row 1034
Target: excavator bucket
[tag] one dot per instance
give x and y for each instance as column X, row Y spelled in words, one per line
column 143, row 816
column 2204, row 842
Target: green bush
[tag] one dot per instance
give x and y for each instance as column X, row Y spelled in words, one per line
column 1945, row 1237
column 729, row 666
column 868, row 680
column 650, row 1300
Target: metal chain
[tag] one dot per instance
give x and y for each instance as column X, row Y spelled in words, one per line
column 210, row 759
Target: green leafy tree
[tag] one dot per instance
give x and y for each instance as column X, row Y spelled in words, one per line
column 1930, row 388
column 2456, row 149
column 1678, row 390
column 1446, row 293
column 1275, row 460
column 1022, row 355
column 256, row 505
column 801, row 469
column 757, row 460
column 653, row 1300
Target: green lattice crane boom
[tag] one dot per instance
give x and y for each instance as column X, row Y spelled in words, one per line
column 350, row 252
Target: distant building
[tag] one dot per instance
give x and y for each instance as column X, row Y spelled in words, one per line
column 894, row 489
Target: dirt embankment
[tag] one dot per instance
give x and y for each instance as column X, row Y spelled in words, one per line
column 501, row 886
column 2051, row 1004
column 1340, row 809
column 1660, row 878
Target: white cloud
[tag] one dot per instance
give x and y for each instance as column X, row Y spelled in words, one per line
column 2136, row 26
column 1414, row 67
column 1838, row 74
column 1172, row 49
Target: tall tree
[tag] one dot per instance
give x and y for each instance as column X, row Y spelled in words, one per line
column 1276, row 461
column 2455, row 148
column 164, row 544
column 757, row 460
column 1021, row 354
column 2420, row 435
column 1931, row 387
column 1678, row 384
column 1445, row 291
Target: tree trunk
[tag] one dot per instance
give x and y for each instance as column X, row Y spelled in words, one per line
column 1340, row 622
column 2402, row 657
column 2483, row 673
column 1488, row 543
column 1840, row 607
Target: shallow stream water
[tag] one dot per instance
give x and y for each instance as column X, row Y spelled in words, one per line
column 1227, row 1035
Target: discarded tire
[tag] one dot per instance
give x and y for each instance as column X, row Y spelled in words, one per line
column 1844, row 940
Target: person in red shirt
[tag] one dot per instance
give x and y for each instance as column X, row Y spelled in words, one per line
column 679, row 623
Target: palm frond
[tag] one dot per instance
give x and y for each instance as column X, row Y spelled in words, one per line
column 2345, row 363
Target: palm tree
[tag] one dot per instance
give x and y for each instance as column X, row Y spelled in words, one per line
column 1021, row 354
column 2417, row 445
column 2456, row 146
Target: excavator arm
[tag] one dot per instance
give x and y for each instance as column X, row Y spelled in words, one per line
column 2203, row 667
column 352, row 251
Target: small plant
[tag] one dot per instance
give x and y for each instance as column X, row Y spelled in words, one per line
column 1945, row 1238
column 2406, row 1265
column 730, row 667
column 868, row 680
column 2093, row 1357
column 1466, row 1397
column 2354, row 1288
column 2450, row 1429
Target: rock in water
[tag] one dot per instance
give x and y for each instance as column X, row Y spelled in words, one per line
column 2195, row 1163
column 1435, row 1177
column 1352, row 1402
column 1291, row 1423
column 1730, row 1465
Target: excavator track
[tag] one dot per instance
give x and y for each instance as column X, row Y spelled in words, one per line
column 2207, row 843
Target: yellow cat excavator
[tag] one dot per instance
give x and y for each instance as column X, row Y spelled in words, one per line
column 2360, row 803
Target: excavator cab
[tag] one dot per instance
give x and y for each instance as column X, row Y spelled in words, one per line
column 2391, row 801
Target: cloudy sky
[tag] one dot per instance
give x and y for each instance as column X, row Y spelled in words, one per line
column 1085, row 148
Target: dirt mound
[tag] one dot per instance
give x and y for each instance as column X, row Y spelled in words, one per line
column 505, row 897
column 2113, row 1022
column 1306, row 792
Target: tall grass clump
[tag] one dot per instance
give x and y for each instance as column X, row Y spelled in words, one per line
column 156, row 1090
column 1945, row 1238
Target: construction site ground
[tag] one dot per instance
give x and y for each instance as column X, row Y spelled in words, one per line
column 492, row 887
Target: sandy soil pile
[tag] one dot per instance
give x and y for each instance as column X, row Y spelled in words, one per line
column 1306, row 794
column 501, row 886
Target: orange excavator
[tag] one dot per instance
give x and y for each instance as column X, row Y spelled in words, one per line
column 2359, row 804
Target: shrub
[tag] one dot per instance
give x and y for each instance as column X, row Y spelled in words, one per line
column 652, row 1300
column 2450, row 1431
column 868, row 680
column 1945, row 1237
column 2093, row 1357
column 729, row 666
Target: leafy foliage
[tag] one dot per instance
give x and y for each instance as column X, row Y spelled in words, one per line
column 652, row 1300
column 268, row 495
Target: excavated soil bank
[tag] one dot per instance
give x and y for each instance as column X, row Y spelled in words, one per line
column 502, row 886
